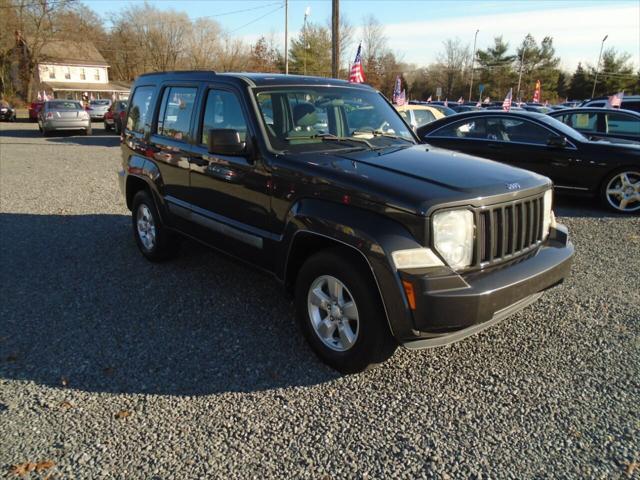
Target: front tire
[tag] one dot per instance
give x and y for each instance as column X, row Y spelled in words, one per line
column 340, row 312
column 154, row 240
column 621, row 191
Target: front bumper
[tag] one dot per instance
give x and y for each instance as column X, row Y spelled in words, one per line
column 8, row 115
column 450, row 307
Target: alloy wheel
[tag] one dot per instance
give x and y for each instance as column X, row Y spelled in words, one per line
column 146, row 227
column 333, row 313
column 623, row 191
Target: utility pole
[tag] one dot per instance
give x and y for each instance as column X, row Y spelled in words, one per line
column 473, row 62
column 307, row 12
column 524, row 49
column 286, row 37
column 595, row 80
column 335, row 38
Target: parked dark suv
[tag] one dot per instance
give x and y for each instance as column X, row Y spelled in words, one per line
column 382, row 240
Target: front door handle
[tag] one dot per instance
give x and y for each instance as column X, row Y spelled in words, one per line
column 221, row 172
column 560, row 162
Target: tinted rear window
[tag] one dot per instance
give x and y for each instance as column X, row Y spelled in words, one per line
column 64, row 106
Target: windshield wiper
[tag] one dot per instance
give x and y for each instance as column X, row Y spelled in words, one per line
column 380, row 133
column 334, row 138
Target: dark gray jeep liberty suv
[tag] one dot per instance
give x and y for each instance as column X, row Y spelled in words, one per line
column 381, row 240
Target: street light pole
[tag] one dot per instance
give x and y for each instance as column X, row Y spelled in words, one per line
column 286, row 37
column 473, row 62
column 595, row 80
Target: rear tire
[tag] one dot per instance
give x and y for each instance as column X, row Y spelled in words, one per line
column 340, row 312
column 154, row 240
column 107, row 127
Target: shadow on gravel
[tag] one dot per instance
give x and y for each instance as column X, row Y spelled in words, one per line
column 583, row 207
column 79, row 305
column 20, row 133
column 98, row 138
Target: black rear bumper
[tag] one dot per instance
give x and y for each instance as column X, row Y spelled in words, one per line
column 450, row 307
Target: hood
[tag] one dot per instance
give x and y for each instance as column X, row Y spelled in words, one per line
column 446, row 168
column 419, row 177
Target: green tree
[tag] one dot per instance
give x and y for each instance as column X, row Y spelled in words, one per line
column 538, row 62
column 496, row 66
column 310, row 52
column 579, row 85
column 615, row 75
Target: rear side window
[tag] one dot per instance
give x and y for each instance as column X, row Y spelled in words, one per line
column 621, row 123
column 140, row 112
column 174, row 120
column 631, row 105
column 223, row 111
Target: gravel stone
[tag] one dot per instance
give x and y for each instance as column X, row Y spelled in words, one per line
column 204, row 354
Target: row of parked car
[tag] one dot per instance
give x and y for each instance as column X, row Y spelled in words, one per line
column 592, row 118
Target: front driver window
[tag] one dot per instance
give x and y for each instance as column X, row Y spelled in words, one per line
column 223, row 111
column 586, row 122
column 472, row 129
column 523, row 131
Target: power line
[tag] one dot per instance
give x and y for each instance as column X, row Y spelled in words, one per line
column 255, row 20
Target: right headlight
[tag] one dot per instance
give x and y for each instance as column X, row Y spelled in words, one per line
column 453, row 233
column 548, row 213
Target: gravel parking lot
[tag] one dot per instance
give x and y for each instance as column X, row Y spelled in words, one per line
column 113, row 367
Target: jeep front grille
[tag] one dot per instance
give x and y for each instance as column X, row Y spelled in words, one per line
column 507, row 230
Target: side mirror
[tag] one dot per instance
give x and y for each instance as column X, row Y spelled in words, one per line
column 557, row 141
column 225, row 141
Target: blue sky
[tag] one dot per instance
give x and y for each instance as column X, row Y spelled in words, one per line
column 416, row 28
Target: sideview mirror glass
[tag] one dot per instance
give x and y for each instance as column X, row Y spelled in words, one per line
column 557, row 141
column 225, row 141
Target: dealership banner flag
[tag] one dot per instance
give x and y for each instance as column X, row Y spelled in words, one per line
column 536, row 93
column 615, row 101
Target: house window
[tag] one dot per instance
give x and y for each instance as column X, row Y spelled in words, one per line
column 52, row 73
column 67, row 73
column 83, row 75
column 97, row 74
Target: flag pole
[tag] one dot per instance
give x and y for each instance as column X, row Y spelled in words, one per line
column 286, row 37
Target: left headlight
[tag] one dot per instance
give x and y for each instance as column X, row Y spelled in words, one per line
column 548, row 214
column 453, row 237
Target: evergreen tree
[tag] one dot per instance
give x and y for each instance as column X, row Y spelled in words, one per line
column 579, row 85
column 496, row 66
column 312, row 49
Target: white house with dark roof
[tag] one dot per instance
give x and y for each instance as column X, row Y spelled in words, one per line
column 70, row 69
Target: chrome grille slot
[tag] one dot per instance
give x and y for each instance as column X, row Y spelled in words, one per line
column 508, row 230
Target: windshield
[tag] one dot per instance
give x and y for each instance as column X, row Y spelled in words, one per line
column 301, row 119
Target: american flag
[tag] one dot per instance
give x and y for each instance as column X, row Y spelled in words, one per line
column 615, row 101
column 487, row 100
column 446, row 102
column 402, row 98
column 460, row 101
column 357, row 72
column 478, row 104
column 396, row 90
column 429, row 99
column 506, row 105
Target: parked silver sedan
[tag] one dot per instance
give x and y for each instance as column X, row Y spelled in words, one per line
column 63, row 115
column 97, row 109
